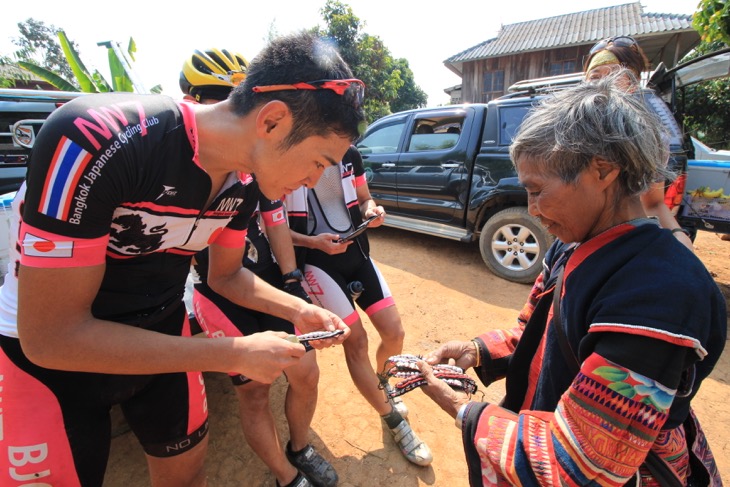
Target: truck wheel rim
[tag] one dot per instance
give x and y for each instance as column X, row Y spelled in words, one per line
column 515, row 247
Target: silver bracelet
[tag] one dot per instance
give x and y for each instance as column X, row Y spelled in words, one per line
column 460, row 415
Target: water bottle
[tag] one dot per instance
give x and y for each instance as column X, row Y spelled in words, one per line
column 355, row 288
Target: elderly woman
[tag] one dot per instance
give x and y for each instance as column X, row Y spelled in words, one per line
column 619, row 330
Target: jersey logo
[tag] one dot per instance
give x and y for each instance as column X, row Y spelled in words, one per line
column 35, row 246
column 228, row 205
column 67, row 165
column 278, row 216
column 167, row 191
column 129, row 235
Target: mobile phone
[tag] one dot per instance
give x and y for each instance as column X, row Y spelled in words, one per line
column 358, row 231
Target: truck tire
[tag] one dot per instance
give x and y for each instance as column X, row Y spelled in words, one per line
column 513, row 245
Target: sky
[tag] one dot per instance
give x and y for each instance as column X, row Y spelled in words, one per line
column 424, row 33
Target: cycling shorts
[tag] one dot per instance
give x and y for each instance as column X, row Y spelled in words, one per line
column 219, row 317
column 65, row 437
column 328, row 276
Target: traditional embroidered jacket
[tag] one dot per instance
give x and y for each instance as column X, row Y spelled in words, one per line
column 647, row 323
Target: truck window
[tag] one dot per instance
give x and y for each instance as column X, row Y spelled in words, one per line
column 510, row 120
column 436, row 133
column 382, row 140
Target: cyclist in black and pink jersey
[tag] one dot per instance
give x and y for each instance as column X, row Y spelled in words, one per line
column 208, row 77
column 122, row 190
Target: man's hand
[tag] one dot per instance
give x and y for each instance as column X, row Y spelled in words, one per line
column 264, row 356
column 461, row 354
column 329, row 244
column 380, row 212
column 313, row 318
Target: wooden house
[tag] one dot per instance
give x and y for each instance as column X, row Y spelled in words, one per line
column 558, row 45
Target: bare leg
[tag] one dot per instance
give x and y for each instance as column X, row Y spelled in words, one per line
column 184, row 470
column 260, row 432
column 361, row 370
column 387, row 322
column 301, row 399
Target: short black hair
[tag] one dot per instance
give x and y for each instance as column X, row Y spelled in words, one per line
column 295, row 58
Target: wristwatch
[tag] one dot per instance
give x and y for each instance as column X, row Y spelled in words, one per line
column 295, row 275
column 460, row 415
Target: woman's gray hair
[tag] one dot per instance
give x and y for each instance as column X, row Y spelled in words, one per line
column 599, row 119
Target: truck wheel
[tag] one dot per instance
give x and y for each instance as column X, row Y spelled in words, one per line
column 513, row 245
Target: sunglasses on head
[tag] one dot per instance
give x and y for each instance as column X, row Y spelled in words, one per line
column 621, row 41
column 353, row 90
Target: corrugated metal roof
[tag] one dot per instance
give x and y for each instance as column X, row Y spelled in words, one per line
column 574, row 29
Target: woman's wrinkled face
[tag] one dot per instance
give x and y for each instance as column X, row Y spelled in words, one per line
column 570, row 211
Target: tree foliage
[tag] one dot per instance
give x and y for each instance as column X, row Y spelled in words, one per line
column 705, row 106
column 39, row 44
column 390, row 83
column 47, row 52
column 712, row 21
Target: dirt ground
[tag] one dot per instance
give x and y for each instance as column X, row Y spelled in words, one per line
column 443, row 292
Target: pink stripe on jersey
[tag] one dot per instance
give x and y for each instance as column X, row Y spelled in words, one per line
column 167, row 210
column 39, row 248
column 34, row 449
column 382, row 304
column 229, row 238
column 191, row 128
column 360, row 180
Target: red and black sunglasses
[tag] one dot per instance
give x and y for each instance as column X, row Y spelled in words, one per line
column 352, row 90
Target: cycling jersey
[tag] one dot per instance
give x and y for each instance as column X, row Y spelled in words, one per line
column 114, row 179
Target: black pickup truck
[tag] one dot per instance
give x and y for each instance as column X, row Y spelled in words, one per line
column 446, row 171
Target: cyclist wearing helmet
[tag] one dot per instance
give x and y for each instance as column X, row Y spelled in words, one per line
column 207, row 77
column 122, row 190
column 212, row 74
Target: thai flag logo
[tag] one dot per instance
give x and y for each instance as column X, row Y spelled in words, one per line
column 67, row 166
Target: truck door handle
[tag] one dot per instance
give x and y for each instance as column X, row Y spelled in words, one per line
column 450, row 165
column 388, row 164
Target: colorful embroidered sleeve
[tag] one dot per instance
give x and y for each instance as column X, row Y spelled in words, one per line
column 601, row 431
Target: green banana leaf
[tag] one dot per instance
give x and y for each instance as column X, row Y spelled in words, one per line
column 100, row 82
column 49, row 76
column 131, row 48
column 77, row 66
column 120, row 79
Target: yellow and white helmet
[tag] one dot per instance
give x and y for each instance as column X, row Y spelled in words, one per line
column 212, row 73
